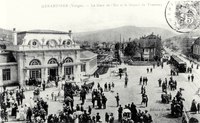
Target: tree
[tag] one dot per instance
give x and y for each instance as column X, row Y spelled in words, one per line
column 104, row 44
column 86, row 43
column 130, row 49
column 158, row 53
column 117, row 46
column 96, row 44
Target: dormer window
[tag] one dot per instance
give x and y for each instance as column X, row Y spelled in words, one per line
column 34, row 43
column 67, row 42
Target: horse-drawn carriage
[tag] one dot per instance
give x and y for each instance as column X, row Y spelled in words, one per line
column 176, row 109
column 126, row 116
column 166, row 98
column 88, row 86
column 177, row 104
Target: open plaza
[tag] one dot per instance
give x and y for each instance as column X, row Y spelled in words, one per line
column 49, row 78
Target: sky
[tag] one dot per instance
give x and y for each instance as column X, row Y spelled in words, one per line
column 81, row 15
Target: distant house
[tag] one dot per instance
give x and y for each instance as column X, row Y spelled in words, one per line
column 89, row 60
column 196, row 48
column 148, row 46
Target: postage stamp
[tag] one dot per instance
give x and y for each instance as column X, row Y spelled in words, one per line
column 183, row 16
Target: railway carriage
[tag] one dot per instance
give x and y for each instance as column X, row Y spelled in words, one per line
column 178, row 63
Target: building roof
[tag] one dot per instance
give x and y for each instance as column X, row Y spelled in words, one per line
column 146, row 43
column 87, row 54
column 151, row 36
column 43, row 31
column 197, row 41
column 149, row 41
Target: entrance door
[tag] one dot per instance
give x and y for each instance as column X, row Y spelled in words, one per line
column 69, row 70
column 53, row 72
column 35, row 77
column 35, row 73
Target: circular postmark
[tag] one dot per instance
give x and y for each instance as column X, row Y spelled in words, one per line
column 183, row 16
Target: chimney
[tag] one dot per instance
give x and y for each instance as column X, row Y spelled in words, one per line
column 14, row 37
column 70, row 34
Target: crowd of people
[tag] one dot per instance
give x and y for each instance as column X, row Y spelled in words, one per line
column 136, row 114
column 143, row 82
column 13, row 106
column 38, row 112
column 12, row 102
column 100, row 98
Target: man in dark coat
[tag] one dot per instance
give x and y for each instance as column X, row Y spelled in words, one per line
column 117, row 99
column 160, row 82
column 104, row 100
column 133, row 111
column 109, row 86
column 126, row 81
column 99, row 102
column 98, row 117
column 140, row 80
column 120, row 109
column 29, row 114
column 192, row 77
column 83, row 96
column 18, row 97
column 105, row 86
column 43, row 85
column 21, row 94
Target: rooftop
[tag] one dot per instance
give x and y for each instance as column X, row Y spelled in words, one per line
column 151, row 36
column 197, row 41
column 44, row 31
column 87, row 54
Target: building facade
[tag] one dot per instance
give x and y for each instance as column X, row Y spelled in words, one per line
column 196, row 48
column 150, row 46
column 46, row 55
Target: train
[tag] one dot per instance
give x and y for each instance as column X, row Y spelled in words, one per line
column 178, row 63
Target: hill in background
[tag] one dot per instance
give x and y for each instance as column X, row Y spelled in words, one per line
column 108, row 35
column 184, row 40
column 5, row 36
column 126, row 32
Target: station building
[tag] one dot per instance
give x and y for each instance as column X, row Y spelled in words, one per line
column 44, row 55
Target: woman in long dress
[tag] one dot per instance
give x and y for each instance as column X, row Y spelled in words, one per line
column 21, row 113
column 17, row 115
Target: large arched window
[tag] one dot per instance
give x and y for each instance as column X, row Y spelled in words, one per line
column 68, row 60
column 52, row 61
column 35, row 62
